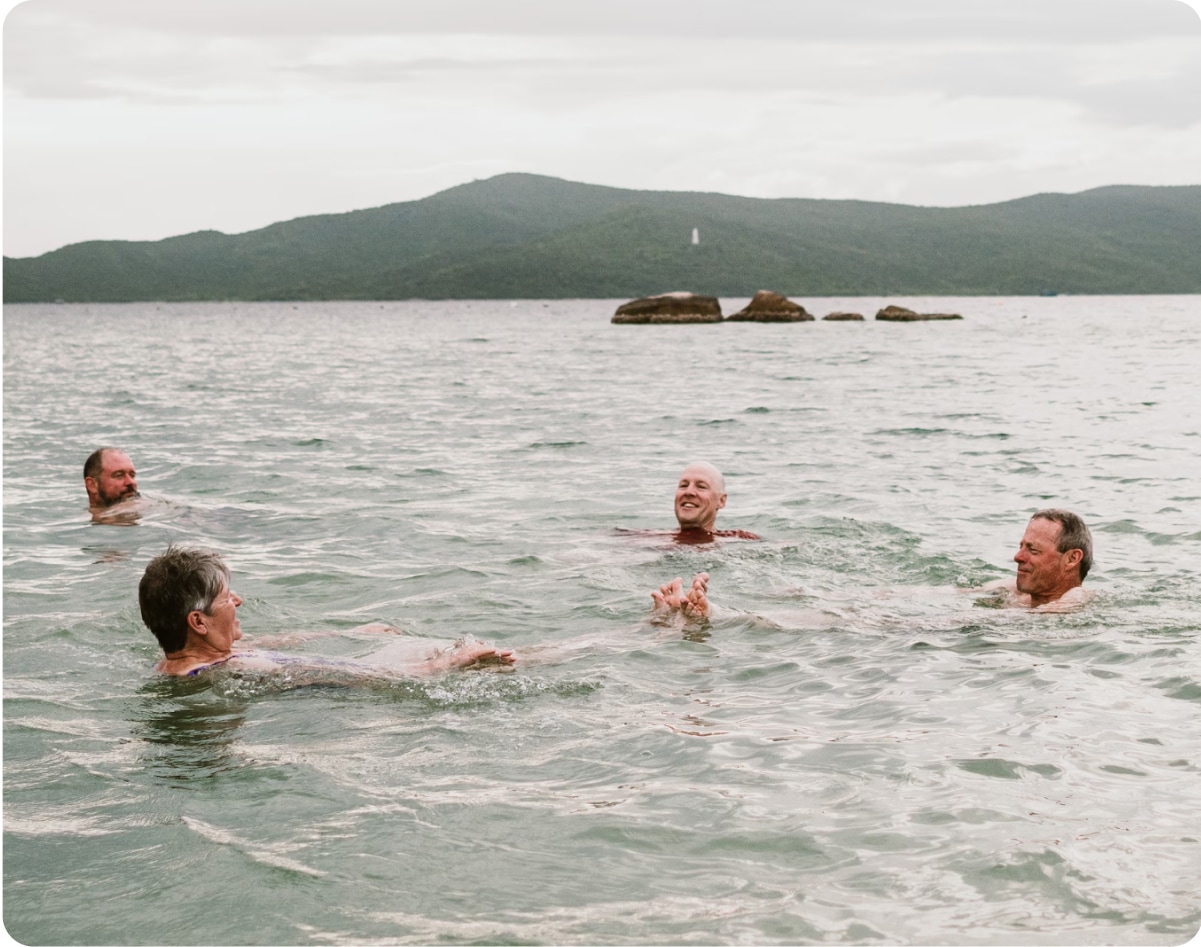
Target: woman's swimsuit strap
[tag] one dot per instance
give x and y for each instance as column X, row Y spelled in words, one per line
column 205, row 667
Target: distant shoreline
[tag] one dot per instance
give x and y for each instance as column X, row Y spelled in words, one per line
column 522, row 236
column 604, row 303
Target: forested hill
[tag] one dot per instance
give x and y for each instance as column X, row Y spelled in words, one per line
column 527, row 236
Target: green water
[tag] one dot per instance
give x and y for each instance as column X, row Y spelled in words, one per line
column 856, row 751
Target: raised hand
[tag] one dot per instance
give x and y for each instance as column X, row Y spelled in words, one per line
column 478, row 655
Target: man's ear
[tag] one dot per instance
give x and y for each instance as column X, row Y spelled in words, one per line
column 722, row 502
column 1073, row 557
column 89, row 484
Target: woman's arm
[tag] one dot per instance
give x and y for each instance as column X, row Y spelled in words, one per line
column 295, row 637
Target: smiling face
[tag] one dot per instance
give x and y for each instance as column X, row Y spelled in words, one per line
column 699, row 495
column 116, row 481
column 1044, row 573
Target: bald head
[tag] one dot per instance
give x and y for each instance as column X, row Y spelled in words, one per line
column 701, row 468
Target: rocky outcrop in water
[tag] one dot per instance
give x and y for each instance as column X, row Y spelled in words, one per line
column 901, row 314
column 767, row 306
column 843, row 317
column 668, row 308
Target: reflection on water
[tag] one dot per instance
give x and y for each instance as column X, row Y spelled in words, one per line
column 187, row 732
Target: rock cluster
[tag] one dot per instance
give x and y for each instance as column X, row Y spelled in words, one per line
column 668, row 308
column 901, row 314
column 770, row 307
column 767, row 306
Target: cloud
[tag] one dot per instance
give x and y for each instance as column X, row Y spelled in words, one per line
column 1061, row 21
column 197, row 114
column 1147, row 81
column 1121, row 60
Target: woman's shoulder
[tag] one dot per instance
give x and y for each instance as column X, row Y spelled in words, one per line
column 188, row 667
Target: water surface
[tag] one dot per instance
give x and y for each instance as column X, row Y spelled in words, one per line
column 856, row 752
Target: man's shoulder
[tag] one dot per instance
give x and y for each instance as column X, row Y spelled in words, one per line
column 691, row 536
column 737, row 534
column 1069, row 601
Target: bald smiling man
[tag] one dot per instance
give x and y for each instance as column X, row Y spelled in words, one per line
column 700, row 493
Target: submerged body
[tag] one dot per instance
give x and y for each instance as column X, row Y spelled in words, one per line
column 186, row 601
column 426, row 659
column 691, row 536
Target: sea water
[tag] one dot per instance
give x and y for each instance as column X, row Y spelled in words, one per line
column 856, row 749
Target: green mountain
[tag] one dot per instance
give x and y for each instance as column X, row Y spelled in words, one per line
column 527, row 236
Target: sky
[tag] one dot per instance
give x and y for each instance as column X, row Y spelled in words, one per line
column 144, row 119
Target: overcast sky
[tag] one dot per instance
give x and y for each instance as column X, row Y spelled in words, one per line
column 142, row 119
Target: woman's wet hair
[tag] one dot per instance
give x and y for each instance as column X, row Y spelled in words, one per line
column 176, row 583
column 1073, row 534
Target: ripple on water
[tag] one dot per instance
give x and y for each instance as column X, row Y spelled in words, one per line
column 852, row 751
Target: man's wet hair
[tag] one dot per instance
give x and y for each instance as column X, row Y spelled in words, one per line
column 94, row 466
column 1073, row 534
column 176, row 583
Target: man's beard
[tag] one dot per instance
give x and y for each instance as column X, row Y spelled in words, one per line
column 114, row 500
